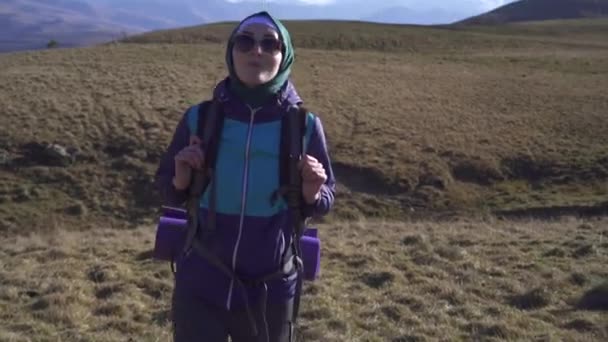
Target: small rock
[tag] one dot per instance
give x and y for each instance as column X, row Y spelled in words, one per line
column 49, row 154
column 58, row 154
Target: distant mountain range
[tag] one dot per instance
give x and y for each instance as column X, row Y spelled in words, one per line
column 32, row 24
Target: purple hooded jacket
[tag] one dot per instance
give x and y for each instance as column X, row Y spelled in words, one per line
column 252, row 233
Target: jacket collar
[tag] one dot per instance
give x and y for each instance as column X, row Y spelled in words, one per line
column 236, row 109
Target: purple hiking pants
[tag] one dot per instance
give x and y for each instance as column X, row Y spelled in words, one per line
column 195, row 320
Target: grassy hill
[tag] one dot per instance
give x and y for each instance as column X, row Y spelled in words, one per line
column 422, row 123
column 447, row 120
column 537, row 10
column 440, row 39
column 425, row 281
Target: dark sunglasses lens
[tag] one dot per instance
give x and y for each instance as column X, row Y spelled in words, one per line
column 270, row 45
column 244, row 43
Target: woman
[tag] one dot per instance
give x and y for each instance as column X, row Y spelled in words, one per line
column 252, row 233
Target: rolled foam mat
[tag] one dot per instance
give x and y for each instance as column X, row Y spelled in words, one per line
column 175, row 212
column 312, row 232
column 170, row 235
column 311, row 256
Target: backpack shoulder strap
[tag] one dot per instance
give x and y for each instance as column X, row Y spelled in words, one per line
column 211, row 128
column 205, row 121
column 202, row 119
column 293, row 148
column 295, row 135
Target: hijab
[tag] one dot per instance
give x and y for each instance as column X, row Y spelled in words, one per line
column 260, row 94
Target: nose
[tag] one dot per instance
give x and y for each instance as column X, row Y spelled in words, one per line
column 257, row 49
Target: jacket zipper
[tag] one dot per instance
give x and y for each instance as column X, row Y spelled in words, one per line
column 243, row 202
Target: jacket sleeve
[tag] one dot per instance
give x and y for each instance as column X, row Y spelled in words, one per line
column 170, row 196
column 317, row 147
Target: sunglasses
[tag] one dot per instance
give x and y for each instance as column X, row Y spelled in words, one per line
column 245, row 43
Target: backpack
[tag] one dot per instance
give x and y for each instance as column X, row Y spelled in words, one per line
column 293, row 128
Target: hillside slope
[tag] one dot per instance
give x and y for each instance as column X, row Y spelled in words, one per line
column 537, row 10
column 357, row 35
column 379, row 281
column 469, row 122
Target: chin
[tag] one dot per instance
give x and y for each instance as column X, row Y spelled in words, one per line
column 256, row 80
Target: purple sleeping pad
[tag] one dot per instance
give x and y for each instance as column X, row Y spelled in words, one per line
column 174, row 212
column 310, row 246
column 171, row 235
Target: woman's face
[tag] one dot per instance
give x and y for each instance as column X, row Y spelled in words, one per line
column 256, row 54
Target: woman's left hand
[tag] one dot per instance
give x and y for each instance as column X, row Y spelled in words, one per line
column 313, row 177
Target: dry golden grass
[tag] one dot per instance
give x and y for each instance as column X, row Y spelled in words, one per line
column 380, row 281
column 353, row 35
column 448, row 120
column 421, row 122
column 94, row 286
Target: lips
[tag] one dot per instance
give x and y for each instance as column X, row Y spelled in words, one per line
column 255, row 64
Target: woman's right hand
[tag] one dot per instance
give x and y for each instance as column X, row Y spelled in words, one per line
column 190, row 157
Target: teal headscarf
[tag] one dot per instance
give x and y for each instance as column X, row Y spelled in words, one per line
column 257, row 96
